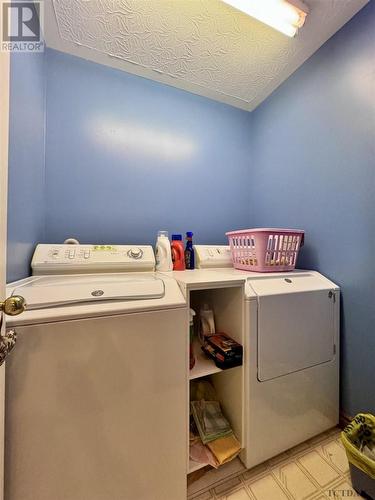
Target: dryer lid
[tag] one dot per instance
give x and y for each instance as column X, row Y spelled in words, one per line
column 55, row 291
column 287, row 283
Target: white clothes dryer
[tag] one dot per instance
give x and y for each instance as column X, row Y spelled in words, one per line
column 291, row 361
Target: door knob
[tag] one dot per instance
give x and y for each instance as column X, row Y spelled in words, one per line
column 14, row 305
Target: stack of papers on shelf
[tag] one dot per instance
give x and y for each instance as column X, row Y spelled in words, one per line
column 210, row 421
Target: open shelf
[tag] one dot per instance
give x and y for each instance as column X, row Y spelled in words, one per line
column 228, row 306
column 203, row 365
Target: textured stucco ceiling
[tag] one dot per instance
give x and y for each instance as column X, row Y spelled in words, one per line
column 203, row 46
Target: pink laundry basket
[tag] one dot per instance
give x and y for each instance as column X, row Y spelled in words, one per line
column 265, row 250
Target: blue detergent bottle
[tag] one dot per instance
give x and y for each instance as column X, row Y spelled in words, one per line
column 189, row 251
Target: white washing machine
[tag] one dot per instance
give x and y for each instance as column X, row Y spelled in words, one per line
column 95, row 386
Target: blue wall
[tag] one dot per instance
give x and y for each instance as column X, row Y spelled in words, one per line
column 127, row 156
column 313, row 167
column 26, row 161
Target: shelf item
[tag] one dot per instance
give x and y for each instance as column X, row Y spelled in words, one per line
column 203, row 365
column 223, row 350
column 225, row 449
column 209, row 420
column 194, row 466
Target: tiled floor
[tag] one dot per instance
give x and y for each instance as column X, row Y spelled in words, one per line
column 315, row 470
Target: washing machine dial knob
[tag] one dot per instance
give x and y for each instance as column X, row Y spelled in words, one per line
column 135, row 253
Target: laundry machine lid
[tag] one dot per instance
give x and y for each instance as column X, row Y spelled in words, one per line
column 291, row 282
column 53, row 291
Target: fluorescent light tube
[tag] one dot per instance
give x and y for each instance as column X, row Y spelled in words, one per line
column 282, row 15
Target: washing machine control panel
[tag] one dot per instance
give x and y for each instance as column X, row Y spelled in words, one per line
column 69, row 259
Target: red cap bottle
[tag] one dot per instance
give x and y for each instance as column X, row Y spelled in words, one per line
column 178, row 254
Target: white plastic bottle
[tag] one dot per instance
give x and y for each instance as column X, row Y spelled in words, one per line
column 207, row 321
column 163, row 252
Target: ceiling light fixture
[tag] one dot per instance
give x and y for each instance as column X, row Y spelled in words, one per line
column 283, row 15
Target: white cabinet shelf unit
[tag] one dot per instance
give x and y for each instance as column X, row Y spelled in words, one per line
column 228, row 306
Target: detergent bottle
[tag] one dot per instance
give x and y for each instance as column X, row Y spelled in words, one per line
column 163, row 252
column 178, row 256
column 189, row 251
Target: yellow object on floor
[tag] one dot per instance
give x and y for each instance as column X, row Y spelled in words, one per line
column 225, row 449
column 360, row 432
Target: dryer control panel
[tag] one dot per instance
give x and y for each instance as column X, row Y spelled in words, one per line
column 213, row 256
column 75, row 259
